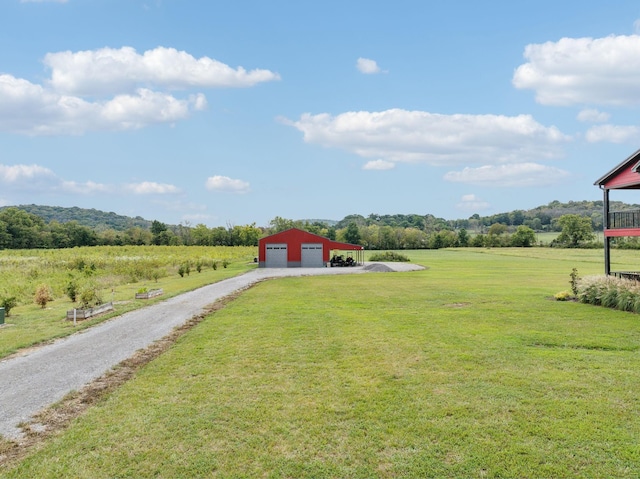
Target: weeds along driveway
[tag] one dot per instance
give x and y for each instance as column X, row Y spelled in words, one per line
column 33, row 381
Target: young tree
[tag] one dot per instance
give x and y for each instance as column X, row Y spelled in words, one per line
column 463, row 237
column 42, row 296
column 352, row 235
column 523, row 237
column 160, row 232
column 8, row 304
column 575, row 229
column 496, row 229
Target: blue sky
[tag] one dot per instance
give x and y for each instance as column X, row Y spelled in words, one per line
column 234, row 112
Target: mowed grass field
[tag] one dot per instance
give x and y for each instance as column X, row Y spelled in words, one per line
column 466, row 369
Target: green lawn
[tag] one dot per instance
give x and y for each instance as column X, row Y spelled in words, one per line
column 465, row 369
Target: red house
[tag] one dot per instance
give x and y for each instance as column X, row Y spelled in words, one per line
column 625, row 176
column 295, row 248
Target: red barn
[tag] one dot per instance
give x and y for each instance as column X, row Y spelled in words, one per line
column 295, row 248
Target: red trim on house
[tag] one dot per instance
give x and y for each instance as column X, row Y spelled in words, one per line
column 622, row 232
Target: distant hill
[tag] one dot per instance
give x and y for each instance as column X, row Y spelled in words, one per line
column 92, row 218
column 539, row 218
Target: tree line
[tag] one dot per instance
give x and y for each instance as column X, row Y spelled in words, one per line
column 21, row 229
column 415, row 232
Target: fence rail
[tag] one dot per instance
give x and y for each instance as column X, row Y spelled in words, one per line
column 634, row 275
column 624, row 219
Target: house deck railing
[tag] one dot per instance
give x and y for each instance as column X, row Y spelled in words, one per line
column 634, row 275
column 624, row 219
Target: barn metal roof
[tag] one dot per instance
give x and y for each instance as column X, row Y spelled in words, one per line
column 311, row 236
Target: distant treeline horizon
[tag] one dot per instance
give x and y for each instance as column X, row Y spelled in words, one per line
column 38, row 226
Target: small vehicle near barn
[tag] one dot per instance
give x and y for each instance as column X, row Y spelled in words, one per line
column 339, row 260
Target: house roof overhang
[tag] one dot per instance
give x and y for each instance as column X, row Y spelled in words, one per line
column 623, row 176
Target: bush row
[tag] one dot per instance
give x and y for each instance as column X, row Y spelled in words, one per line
column 610, row 292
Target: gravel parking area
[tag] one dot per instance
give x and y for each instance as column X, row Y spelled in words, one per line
column 43, row 376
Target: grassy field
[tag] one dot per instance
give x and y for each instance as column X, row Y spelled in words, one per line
column 465, row 369
column 116, row 272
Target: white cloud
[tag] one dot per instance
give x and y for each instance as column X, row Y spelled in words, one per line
column 226, row 184
column 367, row 66
column 38, row 179
column 129, row 85
column 23, row 173
column 515, row 175
column 110, row 70
column 601, row 71
column 86, row 188
column 613, row 134
column 152, row 188
column 379, row 165
column 30, row 109
column 591, row 115
column 422, row 137
column 472, row 203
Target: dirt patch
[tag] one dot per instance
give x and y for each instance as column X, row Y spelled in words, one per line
column 54, row 419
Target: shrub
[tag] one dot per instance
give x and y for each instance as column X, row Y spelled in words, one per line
column 574, row 281
column 626, row 300
column 622, row 294
column 389, row 256
column 184, row 268
column 8, row 304
column 610, row 296
column 71, row 290
column 225, row 263
column 636, row 304
column 43, row 295
column 563, row 296
column 90, row 296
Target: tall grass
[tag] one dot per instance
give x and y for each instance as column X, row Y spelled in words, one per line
column 610, row 292
column 112, row 273
column 22, row 270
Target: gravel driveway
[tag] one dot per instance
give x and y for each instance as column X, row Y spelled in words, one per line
column 33, row 381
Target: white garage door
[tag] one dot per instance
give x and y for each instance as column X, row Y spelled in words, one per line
column 276, row 255
column 312, row 255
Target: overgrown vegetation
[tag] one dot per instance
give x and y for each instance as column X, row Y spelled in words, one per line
column 84, row 277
